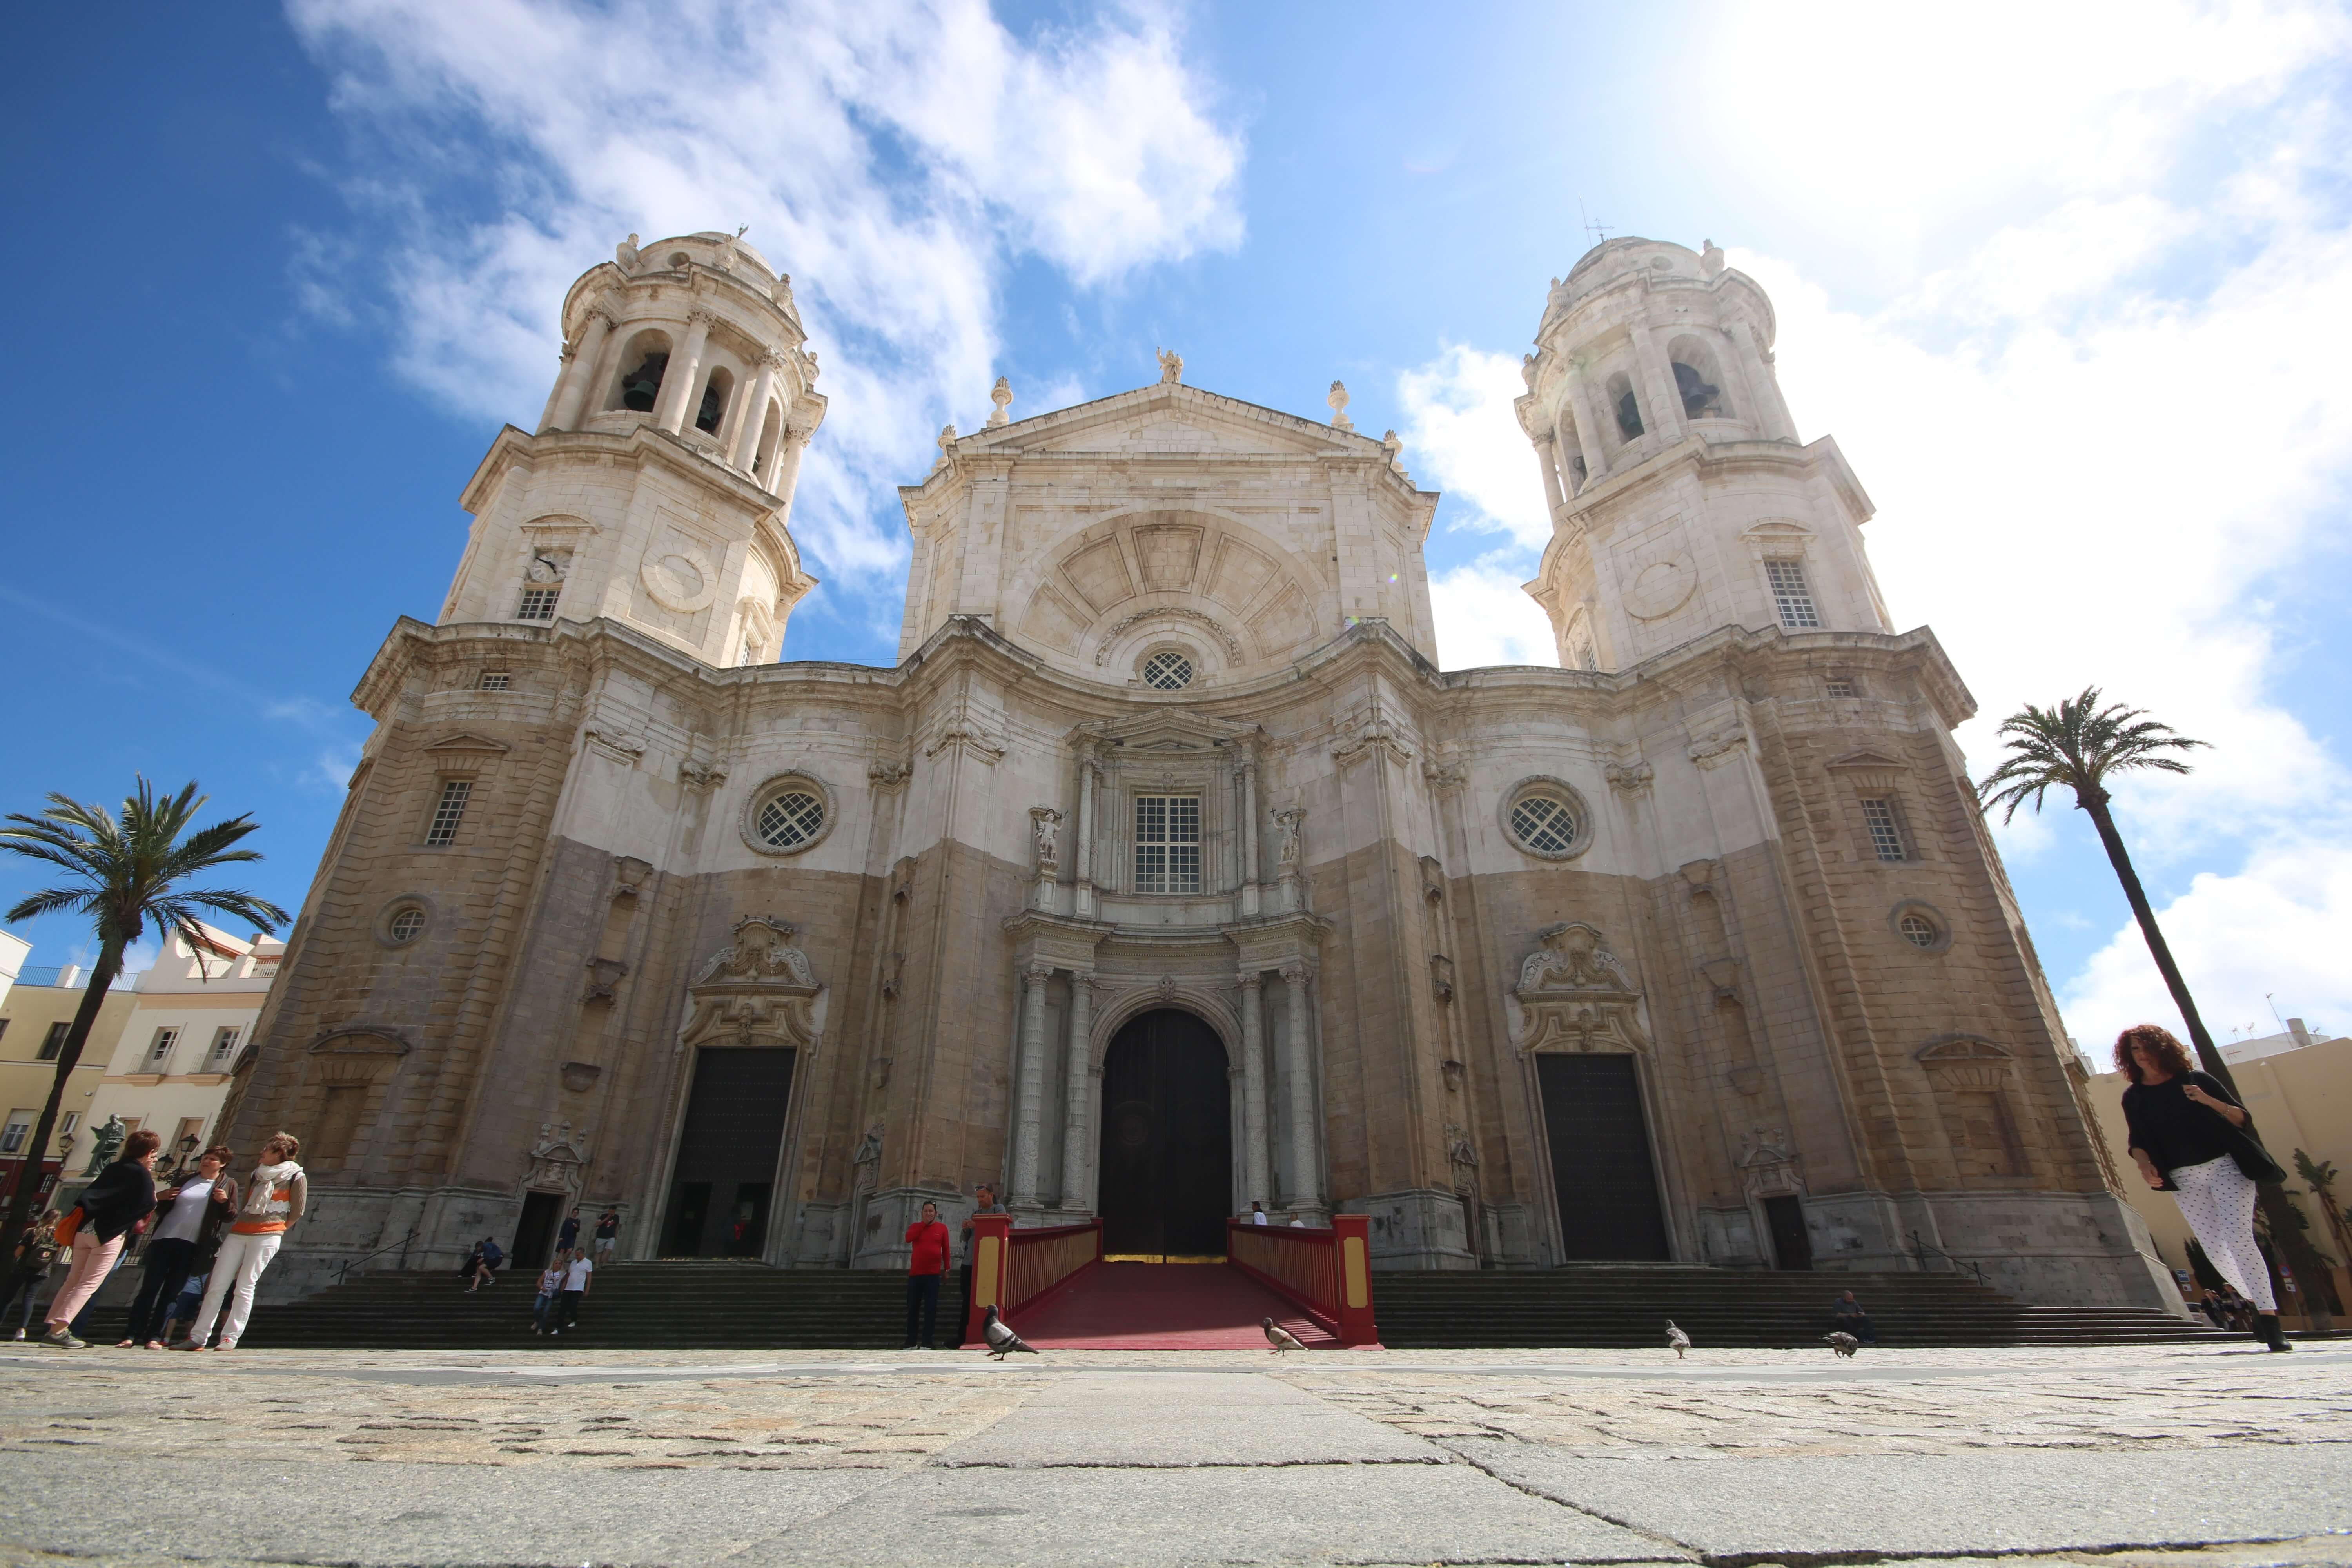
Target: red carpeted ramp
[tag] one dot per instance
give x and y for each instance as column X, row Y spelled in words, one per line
column 1164, row 1307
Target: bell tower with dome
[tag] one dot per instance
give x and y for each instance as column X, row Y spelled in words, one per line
column 1681, row 497
column 657, row 489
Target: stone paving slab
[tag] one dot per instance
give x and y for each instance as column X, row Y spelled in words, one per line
column 1948, row 1505
column 1115, row 1418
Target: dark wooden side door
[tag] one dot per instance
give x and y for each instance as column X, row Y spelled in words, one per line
column 726, row 1153
column 1600, row 1164
column 534, row 1236
column 1166, row 1175
column 1792, row 1249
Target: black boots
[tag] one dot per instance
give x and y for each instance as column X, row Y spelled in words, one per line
column 2266, row 1328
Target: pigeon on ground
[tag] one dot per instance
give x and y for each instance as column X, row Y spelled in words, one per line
column 1001, row 1340
column 1280, row 1338
column 1843, row 1343
column 1677, row 1339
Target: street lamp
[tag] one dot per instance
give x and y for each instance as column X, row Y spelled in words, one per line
column 187, row 1150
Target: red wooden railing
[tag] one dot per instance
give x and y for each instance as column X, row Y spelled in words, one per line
column 1328, row 1274
column 1019, row 1270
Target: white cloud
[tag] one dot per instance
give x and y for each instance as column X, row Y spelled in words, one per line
column 2278, row 928
column 1484, row 617
column 887, row 156
column 1460, row 429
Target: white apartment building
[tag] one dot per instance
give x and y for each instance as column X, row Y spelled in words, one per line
column 190, row 1016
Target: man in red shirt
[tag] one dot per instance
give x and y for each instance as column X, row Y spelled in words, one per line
column 926, row 1263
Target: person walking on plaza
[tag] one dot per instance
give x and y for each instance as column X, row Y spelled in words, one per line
column 608, row 1232
column 927, row 1261
column 551, row 1286
column 2188, row 1138
column 1848, row 1318
column 273, row 1201
column 576, row 1272
column 123, row 1195
column 35, row 1255
column 184, row 1238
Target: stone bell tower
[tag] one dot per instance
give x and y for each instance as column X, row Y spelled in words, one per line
column 1680, row 497
column 657, row 489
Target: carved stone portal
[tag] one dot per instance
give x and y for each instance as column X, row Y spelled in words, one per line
column 1573, row 995
column 759, row 985
column 558, row 1159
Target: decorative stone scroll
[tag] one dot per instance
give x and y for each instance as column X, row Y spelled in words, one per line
column 759, row 984
column 557, row 1159
column 1574, row 995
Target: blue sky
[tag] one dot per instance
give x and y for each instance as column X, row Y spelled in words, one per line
column 2073, row 312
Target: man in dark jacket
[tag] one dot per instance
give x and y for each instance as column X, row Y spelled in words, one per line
column 186, row 1235
column 123, row 1195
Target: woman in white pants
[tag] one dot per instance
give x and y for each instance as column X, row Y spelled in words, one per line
column 274, row 1200
column 2187, row 1130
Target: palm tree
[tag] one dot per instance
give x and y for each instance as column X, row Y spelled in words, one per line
column 127, row 872
column 2078, row 746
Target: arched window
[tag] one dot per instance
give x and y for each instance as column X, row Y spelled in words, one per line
column 640, row 379
column 1697, row 380
column 715, row 394
column 1627, row 406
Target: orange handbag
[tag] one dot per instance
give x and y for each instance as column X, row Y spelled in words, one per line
column 69, row 1226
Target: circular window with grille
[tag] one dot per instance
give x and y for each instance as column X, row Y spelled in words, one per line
column 787, row 815
column 1924, row 928
column 1546, row 819
column 1170, row 669
column 406, row 926
column 400, row 922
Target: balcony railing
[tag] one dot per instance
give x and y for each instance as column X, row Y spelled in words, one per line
column 1326, row 1274
column 1020, row 1270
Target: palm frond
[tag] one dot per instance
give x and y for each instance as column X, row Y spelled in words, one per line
column 2077, row 746
column 49, row 901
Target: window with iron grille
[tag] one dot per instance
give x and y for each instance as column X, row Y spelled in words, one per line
column 790, row 819
column 1840, row 688
column 1885, row 833
column 164, row 1040
column 55, row 1040
column 1918, row 930
column 225, row 1044
column 405, row 925
column 1792, row 596
column 449, row 810
column 1168, row 844
column 1168, row 671
column 1544, row 825
column 538, row 605
column 496, row 680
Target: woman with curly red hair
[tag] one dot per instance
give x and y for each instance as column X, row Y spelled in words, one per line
column 2186, row 1131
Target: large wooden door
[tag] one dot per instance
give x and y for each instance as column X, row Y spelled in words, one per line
column 1600, row 1165
column 725, row 1175
column 1166, row 1175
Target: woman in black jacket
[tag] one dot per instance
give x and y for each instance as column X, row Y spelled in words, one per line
column 2186, row 1132
column 123, row 1195
column 187, row 1233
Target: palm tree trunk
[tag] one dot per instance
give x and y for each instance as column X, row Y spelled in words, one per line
column 2286, row 1235
column 28, row 1181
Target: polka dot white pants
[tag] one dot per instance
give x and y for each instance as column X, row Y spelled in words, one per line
column 2218, row 1201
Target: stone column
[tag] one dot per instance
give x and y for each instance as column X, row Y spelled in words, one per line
column 1254, row 1129
column 1665, row 399
column 1249, row 837
column 1548, row 460
column 755, row 415
column 1077, row 1091
column 1083, row 899
column 1029, row 1088
column 680, row 378
column 1587, row 429
column 1306, row 1161
column 1567, row 453
column 785, row 472
column 578, row 377
column 1771, row 415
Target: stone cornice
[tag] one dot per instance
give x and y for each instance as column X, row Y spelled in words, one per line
column 646, row 444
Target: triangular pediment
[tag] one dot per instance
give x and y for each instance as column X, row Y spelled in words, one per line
column 467, row 740
column 1173, row 419
column 1162, row 734
column 1868, row 759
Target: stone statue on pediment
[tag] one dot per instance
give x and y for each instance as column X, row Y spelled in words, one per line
column 1171, row 367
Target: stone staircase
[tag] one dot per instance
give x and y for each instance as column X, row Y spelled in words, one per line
column 1626, row 1305
column 631, row 1306
column 738, row 1306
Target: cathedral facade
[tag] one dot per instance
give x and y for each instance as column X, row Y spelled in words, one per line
column 1166, row 872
